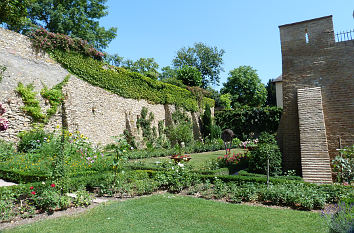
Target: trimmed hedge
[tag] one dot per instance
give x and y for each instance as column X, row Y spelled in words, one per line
column 21, row 177
column 245, row 120
column 126, row 83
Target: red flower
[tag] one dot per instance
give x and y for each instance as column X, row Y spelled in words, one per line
column 33, row 192
column 52, row 185
column 31, row 187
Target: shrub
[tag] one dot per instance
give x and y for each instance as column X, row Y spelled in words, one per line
column 32, row 140
column 233, row 162
column 339, row 218
column 343, row 165
column 246, row 120
column 43, row 39
column 215, row 131
column 266, row 137
column 258, row 159
column 6, row 150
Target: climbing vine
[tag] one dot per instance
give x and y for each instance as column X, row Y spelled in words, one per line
column 32, row 106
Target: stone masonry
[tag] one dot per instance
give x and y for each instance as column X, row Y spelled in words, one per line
column 313, row 140
column 311, row 58
column 95, row 112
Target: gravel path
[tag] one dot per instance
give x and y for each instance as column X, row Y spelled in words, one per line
column 5, row 183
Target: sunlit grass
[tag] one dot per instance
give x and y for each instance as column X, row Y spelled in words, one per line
column 173, row 213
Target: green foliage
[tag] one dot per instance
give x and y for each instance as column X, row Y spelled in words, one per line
column 225, row 101
column 266, row 137
column 206, row 122
column 271, row 93
column 54, row 96
column 167, row 73
column 32, row 106
column 245, row 87
column 145, row 66
column 6, row 150
column 244, row 121
column 181, row 130
column 207, row 60
column 144, row 123
column 13, row 13
column 32, row 140
column 77, row 18
column 343, row 165
column 259, row 156
column 82, row 198
column 234, row 162
column 215, row 132
column 189, row 75
column 339, row 218
column 125, row 83
column 114, row 59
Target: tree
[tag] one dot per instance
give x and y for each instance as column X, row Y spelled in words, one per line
column 114, row 59
column 190, row 76
column 245, row 87
column 144, row 66
column 77, row 18
column 207, row 60
column 167, row 72
column 13, row 13
column 271, row 94
column 225, row 100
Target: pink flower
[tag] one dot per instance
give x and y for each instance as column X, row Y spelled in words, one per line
column 52, row 185
column 31, row 187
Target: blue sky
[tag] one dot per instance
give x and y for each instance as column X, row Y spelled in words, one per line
column 246, row 30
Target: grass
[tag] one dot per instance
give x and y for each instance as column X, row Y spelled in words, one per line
column 173, row 213
column 198, row 159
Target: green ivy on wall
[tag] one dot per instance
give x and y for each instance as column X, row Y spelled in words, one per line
column 126, row 83
column 32, row 106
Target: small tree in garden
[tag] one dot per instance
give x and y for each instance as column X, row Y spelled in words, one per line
column 207, row 121
column 4, row 125
column 343, row 165
column 181, row 131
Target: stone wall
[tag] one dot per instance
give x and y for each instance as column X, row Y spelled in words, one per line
column 101, row 115
column 313, row 138
column 25, row 65
column 95, row 112
column 316, row 62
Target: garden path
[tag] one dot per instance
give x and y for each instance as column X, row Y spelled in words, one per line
column 5, row 183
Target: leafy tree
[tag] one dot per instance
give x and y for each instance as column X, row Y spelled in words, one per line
column 190, row 76
column 114, row 59
column 271, row 95
column 225, row 100
column 144, row 66
column 13, row 13
column 77, row 18
column 207, row 60
column 245, row 87
column 167, row 72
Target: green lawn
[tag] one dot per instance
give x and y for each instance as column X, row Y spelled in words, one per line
column 171, row 213
column 197, row 161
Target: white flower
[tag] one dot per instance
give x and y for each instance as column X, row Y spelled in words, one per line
column 180, row 164
column 132, row 148
column 43, row 182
